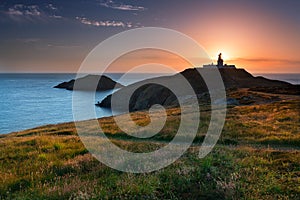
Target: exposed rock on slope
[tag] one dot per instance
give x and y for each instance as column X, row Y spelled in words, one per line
column 87, row 83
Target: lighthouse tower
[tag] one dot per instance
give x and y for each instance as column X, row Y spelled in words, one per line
column 220, row 61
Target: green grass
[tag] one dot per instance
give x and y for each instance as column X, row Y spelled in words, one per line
column 257, row 157
column 271, row 124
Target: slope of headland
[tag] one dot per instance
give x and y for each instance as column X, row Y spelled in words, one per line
column 90, row 82
column 258, row 150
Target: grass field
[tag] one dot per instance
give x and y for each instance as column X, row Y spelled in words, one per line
column 257, row 157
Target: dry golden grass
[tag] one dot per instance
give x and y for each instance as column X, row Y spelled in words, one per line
column 257, row 157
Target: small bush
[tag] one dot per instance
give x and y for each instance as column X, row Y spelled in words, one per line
column 42, row 157
column 57, row 146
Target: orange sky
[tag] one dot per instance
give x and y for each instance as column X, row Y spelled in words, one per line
column 258, row 39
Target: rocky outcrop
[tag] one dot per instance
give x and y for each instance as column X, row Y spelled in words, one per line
column 227, row 101
column 147, row 94
column 89, row 82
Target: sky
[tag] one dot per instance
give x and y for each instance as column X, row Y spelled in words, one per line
column 261, row 36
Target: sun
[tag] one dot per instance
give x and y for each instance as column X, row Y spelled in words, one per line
column 225, row 55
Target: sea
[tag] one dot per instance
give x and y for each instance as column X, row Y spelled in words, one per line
column 29, row 100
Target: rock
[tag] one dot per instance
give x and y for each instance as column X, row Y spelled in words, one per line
column 87, row 83
column 246, row 100
column 66, row 85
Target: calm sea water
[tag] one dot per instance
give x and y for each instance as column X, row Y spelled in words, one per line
column 29, row 100
column 290, row 78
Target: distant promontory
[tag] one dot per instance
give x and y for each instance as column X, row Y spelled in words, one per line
column 148, row 94
column 89, row 82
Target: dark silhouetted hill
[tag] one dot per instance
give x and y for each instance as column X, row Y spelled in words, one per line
column 147, row 94
column 88, row 83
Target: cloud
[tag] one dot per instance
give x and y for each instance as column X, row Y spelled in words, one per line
column 12, row 11
column 52, row 11
column 51, row 7
column 275, row 60
column 29, row 40
column 106, row 23
column 121, row 6
column 56, row 16
column 24, row 10
column 63, row 46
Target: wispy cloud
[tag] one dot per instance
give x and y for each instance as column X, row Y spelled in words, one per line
column 121, row 6
column 53, row 10
column 107, row 23
column 29, row 40
column 275, row 60
column 63, row 46
column 56, row 16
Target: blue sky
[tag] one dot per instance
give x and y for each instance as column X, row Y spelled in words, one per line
column 55, row 36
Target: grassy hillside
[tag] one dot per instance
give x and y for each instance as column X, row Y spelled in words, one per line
column 257, row 157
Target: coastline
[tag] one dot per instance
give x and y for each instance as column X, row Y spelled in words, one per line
column 233, row 94
column 18, row 106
